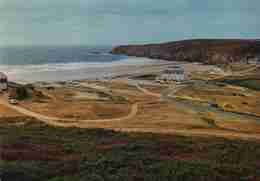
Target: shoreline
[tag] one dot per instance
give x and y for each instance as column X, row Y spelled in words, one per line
column 85, row 71
column 133, row 66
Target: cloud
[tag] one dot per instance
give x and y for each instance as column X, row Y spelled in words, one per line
column 124, row 21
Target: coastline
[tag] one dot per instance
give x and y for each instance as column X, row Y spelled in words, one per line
column 84, row 71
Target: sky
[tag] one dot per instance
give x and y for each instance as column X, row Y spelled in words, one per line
column 114, row 22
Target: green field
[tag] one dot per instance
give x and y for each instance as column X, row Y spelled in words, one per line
column 37, row 152
column 248, row 83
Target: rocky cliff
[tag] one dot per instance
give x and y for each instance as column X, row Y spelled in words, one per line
column 209, row 51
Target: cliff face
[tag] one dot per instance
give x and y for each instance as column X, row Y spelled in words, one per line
column 209, row 51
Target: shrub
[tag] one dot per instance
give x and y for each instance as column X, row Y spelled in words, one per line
column 21, row 93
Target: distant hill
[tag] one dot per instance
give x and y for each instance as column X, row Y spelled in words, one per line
column 209, row 51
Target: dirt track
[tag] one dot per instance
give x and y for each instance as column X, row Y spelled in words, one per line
column 109, row 123
column 63, row 122
column 66, row 122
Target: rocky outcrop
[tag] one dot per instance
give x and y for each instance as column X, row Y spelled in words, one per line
column 209, row 51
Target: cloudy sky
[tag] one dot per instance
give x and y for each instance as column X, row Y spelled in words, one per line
column 106, row 22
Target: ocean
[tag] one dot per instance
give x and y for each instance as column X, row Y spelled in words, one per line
column 59, row 63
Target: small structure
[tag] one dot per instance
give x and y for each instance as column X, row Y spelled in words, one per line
column 258, row 59
column 3, row 82
column 174, row 73
column 253, row 59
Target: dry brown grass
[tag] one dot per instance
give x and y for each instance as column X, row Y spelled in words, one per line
column 79, row 110
column 228, row 98
column 64, row 103
column 153, row 114
column 6, row 112
column 155, row 89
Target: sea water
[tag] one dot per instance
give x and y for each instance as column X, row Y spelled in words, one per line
column 56, row 63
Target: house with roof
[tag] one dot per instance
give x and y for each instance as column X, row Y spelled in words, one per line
column 173, row 73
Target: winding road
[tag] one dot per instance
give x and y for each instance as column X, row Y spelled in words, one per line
column 66, row 122
column 55, row 121
column 62, row 122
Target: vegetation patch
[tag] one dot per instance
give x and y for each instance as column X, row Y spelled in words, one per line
column 248, row 83
column 145, row 77
column 40, row 152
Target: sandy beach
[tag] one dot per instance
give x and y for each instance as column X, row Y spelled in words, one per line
column 79, row 71
column 132, row 66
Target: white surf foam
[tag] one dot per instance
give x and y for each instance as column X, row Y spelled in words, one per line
column 65, row 71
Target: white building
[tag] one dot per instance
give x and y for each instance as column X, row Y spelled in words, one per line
column 174, row 73
column 3, row 82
